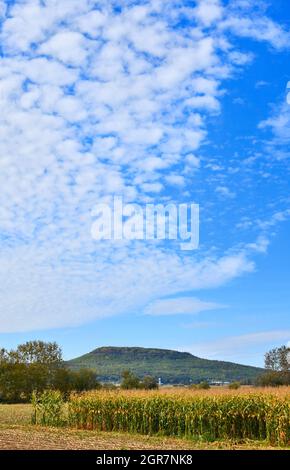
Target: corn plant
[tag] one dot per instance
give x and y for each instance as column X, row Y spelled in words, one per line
column 48, row 408
column 208, row 417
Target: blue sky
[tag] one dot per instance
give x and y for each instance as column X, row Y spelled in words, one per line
column 156, row 102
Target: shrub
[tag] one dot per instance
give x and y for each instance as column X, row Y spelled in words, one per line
column 203, row 386
column 274, row 379
column 129, row 380
column 149, row 383
column 234, row 385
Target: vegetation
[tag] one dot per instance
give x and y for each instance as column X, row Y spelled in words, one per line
column 277, row 365
column 278, row 359
column 17, row 433
column 234, row 385
column 195, row 415
column 37, row 366
column 203, row 386
column 274, row 379
column 131, row 381
column 172, row 366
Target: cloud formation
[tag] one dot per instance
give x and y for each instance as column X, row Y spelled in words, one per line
column 179, row 306
column 97, row 100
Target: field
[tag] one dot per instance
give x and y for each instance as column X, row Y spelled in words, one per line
column 17, row 432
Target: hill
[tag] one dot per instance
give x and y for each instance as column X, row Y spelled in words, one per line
column 173, row 367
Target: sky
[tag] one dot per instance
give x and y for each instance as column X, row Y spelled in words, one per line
column 155, row 102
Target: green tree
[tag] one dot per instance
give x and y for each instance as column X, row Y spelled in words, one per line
column 67, row 381
column 84, row 379
column 149, row 383
column 38, row 352
column 129, row 380
column 37, row 366
column 273, row 378
column 234, row 385
column 278, row 359
column 203, row 385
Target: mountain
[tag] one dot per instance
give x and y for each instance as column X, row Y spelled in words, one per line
column 173, row 367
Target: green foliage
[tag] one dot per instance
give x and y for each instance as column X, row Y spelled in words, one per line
column 203, row 386
column 173, row 367
column 149, row 383
column 274, row 378
column 129, row 380
column 33, row 352
column 234, row 385
column 18, row 381
column 36, row 366
column 48, row 408
column 251, row 416
column 84, row 379
column 277, row 359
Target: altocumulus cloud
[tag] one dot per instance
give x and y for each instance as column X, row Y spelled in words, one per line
column 103, row 98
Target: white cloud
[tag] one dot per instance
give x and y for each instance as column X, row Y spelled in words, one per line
column 96, row 102
column 279, row 123
column 260, row 245
column 180, row 306
column 208, row 11
column 226, row 192
column 259, row 28
column 67, row 46
column 243, row 346
column 175, row 180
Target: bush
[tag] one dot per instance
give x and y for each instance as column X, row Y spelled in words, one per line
column 203, row 386
column 234, row 385
column 274, row 379
column 149, row 383
column 19, row 380
column 129, row 381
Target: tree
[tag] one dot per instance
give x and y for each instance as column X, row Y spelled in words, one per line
column 84, row 379
column 149, row 383
column 274, row 378
column 38, row 352
column 277, row 364
column 278, row 359
column 37, row 366
column 18, row 380
column 129, row 380
column 66, row 380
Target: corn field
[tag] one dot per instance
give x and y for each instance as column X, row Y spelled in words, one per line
column 253, row 416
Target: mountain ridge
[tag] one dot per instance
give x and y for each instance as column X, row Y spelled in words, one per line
column 173, row 367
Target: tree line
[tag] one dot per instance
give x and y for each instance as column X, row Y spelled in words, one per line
column 36, row 366
column 277, row 365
